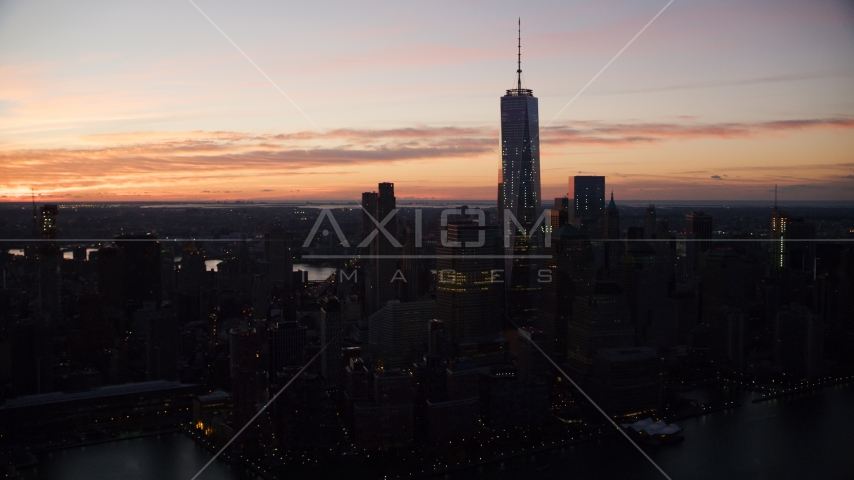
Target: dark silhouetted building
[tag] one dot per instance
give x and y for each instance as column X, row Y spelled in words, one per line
column 699, row 225
column 388, row 420
column 380, row 287
column 397, row 333
column 589, row 204
column 331, row 327
column 799, row 342
column 600, row 320
column 570, row 267
column 287, row 344
column 455, row 417
column 243, row 354
column 49, row 278
column 559, row 215
column 792, row 242
column 612, row 220
column 469, row 288
column 650, row 223
column 279, row 254
column 626, row 381
column 160, row 330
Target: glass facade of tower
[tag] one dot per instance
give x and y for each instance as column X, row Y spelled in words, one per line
column 520, row 196
column 589, row 195
column 520, row 156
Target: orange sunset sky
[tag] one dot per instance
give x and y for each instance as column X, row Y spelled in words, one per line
column 117, row 101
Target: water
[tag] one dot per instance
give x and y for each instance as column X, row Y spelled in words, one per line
column 801, row 437
column 162, row 457
column 315, row 273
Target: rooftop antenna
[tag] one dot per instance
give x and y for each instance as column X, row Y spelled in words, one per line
column 775, row 196
column 519, row 59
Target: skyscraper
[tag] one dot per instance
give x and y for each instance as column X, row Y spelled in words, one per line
column 468, row 291
column 798, row 255
column 330, row 333
column 520, row 151
column 287, row 342
column 571, row 270
column 398, row 333
column 379, row 288
column 243, row 354
column 600, row 319
column 560, row 213
column 49, row 283
column 520, row 195
column 589, row 204
column 650, row 223
column 277, row 251
column 612, row 220
column 700, row 226
column 140, row 260
column 49, row 255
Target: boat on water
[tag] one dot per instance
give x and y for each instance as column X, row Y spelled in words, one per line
column 655, row 432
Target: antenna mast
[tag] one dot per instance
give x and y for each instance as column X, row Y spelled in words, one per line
column 519, row 59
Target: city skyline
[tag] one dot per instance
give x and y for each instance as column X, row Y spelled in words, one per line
column 158, row 105
column 264, row 240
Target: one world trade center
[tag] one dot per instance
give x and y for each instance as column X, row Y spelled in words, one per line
column 519, row 196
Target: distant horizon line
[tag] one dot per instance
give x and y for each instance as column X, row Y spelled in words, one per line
column 404, row 202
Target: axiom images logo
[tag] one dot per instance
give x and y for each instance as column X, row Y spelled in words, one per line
column 509, row 232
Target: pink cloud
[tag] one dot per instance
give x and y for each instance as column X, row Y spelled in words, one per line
column 195, row 161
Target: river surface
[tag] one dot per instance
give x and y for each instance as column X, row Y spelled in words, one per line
column 313, row 272
column 162, row 457
column 801, row 437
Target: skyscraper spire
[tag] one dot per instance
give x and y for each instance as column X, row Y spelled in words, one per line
column 519, row 59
